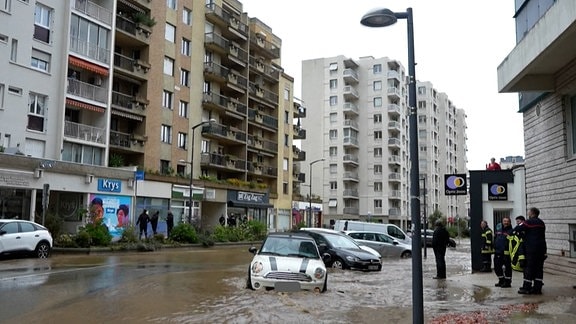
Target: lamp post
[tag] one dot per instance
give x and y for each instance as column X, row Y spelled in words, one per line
column 310, row 214
column 383, row 18
column 190, row 201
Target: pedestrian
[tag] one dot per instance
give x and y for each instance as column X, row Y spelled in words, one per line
column 169, row 222
column 222, row 220
column 142, row 221
column 154, row 221
column 533, row 233
column 440, row 240
column 493, row 165
column 516, row 247
column 487, row 247
column 502, row 261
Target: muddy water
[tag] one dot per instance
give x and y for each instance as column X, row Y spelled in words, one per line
column 207, row 286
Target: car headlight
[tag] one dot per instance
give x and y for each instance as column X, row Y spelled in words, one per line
column 257, row 267
column 319, row 273
column 351, row 258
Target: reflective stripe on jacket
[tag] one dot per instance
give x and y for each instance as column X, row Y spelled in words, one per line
column 487, row 241
column 516, row 250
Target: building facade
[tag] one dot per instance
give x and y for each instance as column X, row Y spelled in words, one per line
column 542, row 69
column 358, row 117
column 191, row 93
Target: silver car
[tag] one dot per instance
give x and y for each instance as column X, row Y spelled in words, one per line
column 385, row 244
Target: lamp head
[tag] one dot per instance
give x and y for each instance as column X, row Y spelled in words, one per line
column 212, row 120
column 379, row 18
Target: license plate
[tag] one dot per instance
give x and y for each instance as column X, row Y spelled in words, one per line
column 287, row 286
column 372, row 267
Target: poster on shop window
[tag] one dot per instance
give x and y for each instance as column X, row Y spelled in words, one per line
column 114, row 211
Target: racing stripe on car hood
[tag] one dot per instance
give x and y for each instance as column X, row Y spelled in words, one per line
column 273, row 265
column 304, row 265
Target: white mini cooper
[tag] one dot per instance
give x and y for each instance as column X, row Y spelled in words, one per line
column 287, row 262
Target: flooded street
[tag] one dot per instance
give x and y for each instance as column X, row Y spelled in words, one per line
column 208, row 286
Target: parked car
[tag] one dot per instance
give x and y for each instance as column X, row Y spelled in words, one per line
column 327, row 230
column 21, row 236
column 428, row 239
column 385, row 244
column 288, row 262
column 390, row 229
column 345, row 253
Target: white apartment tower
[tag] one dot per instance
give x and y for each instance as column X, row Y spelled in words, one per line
column 358, row 119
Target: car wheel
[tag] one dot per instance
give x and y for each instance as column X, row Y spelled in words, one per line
column 43, row 250
column 406, row 254
column 325, row 287
column 338, row 264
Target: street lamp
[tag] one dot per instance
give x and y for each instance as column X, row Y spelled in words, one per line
column 383, row 18
column 310, row 214
column 190, row 202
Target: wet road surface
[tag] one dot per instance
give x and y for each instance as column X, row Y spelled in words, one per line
column 208, row 286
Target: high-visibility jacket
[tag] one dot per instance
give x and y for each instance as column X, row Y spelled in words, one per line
column 516, row 249
column 487, row 241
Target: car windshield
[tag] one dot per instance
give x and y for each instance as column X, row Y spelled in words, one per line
column 291, row 247
column 341, row 241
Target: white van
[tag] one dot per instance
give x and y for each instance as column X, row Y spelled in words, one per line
column 390, row 229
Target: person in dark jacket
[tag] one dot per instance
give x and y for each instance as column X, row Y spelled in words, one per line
column 487, row 247
column 142, row 221
column 516, row 247
column 533, row 232
column 440, row 240
column 502, row 261
column 169, row 222
column 154, row 221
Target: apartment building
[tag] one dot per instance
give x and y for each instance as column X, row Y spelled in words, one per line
column 358, row 117
column 542, row 69
column 190, row 93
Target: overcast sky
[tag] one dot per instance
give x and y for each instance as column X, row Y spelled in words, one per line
column 458, row 47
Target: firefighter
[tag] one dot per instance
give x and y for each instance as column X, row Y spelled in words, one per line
column 487, row 247
column 534, row 236
column 516, row 247
column 502, row 262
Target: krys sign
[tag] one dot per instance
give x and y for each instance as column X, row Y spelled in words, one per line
column 109, row 185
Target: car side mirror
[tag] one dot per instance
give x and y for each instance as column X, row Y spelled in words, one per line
column 326, row 257
column 322, row 247
column 252, row 250
column 2, row 233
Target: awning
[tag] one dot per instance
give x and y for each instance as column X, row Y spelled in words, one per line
column 247, row 204
column 130, row 5
column 332, row 203
column 87, row 65
column 83, row 105
column 127, row 115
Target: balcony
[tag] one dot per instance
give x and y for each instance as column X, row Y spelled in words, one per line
column 224, row 133
column 350, row 76
column 93, row 10
column 394, row 110
column 394, row 211
column 298, row 154
column 84, row 132
column 351, row 211
column 216, row 43
column 264, row 47
column 350, row 176
column 299, row 133
column 127, row 142
column 351, row 123
column 395, row 177
column 87, row 91
column 90, row 50
column 263, row 95
column 394, row 126
column 217, row 102
column 350, row 159
column 299, row 111
column 228, row 23
column 394, row 160
column 349, row 141
column 135, row 68
column 350, row 93
column 350, row 108
column 270, row 73
column 394, row 75
column 259, row 143
column 394, row 194
column 222, row 161
column 262, row 169
column 350, row 193
column 394, row 142
column 394, row 93
column 129, row 102
column 236, row 55
column 135, row 34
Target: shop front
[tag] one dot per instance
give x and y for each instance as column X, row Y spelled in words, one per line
column 243, row 206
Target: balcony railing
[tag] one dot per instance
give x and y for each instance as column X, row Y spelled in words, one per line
column 350, row 158
column 91, row 50
column 93, row 10
column 351, row 210
column 350, row 107
column 394, row 109
column 87, row 91
column 84, row 132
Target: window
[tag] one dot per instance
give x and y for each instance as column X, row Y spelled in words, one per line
column 377, row 186
column 421, row 104
column 167, row 99
column 42, row 20
column 333, row 168
column 181, row 170
column 377, row 152
column 286, row 117
column 171, row 4
column 377, row 68
column 184, row 77
column 40, row 60
column 5, row 5
column 571, row 124
column 35, row 148
column 187, row 16
column 286, row 140
column 89, row 39
column 333, row 118
column 165, row 167
column 182, row 140
column 377, row 118
column 286, row 94
column 285, row 164
column 377, row 85
column 37, row 109
column 333, row 66
column 183, row 109
column 15, row 91
column 378, row 135
column 166, row 134
column 377, row 102
column 333, row 83
column 3, row 38
column 333, row 134
column 377, row 203
column 333, row 185
column 333, row 100
column 170, row 33
column 377, row 168
column 185, row 47
column 421, row 90
column 333, row 151
column 2, row 89
column 14, row 50
column 168, row 66
column 285, row 188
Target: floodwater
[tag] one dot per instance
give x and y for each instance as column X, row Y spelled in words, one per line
column 208, row 286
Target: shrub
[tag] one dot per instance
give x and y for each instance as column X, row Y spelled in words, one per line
column 256, row 230
column 54, row 224
column 83, row 239
column 65, row 240
column 98, row 234
column 184, row 233
column 129, row 235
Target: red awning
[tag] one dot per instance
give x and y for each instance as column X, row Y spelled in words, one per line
column 88, row 66
column 83, row 105
column 127, row 115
